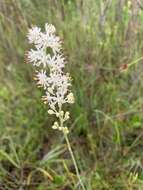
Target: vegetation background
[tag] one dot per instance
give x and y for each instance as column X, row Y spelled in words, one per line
column 103, row 42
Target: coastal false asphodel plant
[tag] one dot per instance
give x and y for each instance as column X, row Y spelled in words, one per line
column 49, row 62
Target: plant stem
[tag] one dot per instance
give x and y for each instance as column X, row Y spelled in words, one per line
column 74, row 161
column 70, row 149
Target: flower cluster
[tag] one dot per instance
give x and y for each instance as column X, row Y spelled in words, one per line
column 49, row 63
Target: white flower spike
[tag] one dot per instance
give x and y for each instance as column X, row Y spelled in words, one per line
column 49, row 64
column 49, row 67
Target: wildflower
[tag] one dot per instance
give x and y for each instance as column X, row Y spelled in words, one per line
column 42, row 79
column 38, row 57
column 50, row 71
column 70, row 98
column 49, row 41
column 50, row 28
column 51, row 77
column 34, row 34
column 56, row 63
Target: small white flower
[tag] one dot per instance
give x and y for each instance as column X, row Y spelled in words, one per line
column 48, row 41
column 42, row 79
column 60, row 62
column 47, row 98
column 51, row 61
column 38, row 57
column 59, row 80
column 70, row 98
column 56, row 62
column 49, row 28
column 51, row 41
column 34, row 34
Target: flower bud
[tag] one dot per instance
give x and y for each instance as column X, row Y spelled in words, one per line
column 51, row 112
column 56, row 125
column 67, row 116
column 70, row 98
column 61, row 113
column 65, row 130
column 60, row 128
column 57, row 114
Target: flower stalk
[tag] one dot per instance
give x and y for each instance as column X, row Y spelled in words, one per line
column 73, row 159
column 71, row 153
column 49, row 62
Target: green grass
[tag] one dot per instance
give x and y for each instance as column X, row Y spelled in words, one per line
column 100, row 38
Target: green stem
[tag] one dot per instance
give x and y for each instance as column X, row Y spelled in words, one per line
column 74, row 161
column 70, row 149
column 136, row 61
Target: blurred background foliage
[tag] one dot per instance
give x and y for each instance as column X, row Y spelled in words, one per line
column 103, row 43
